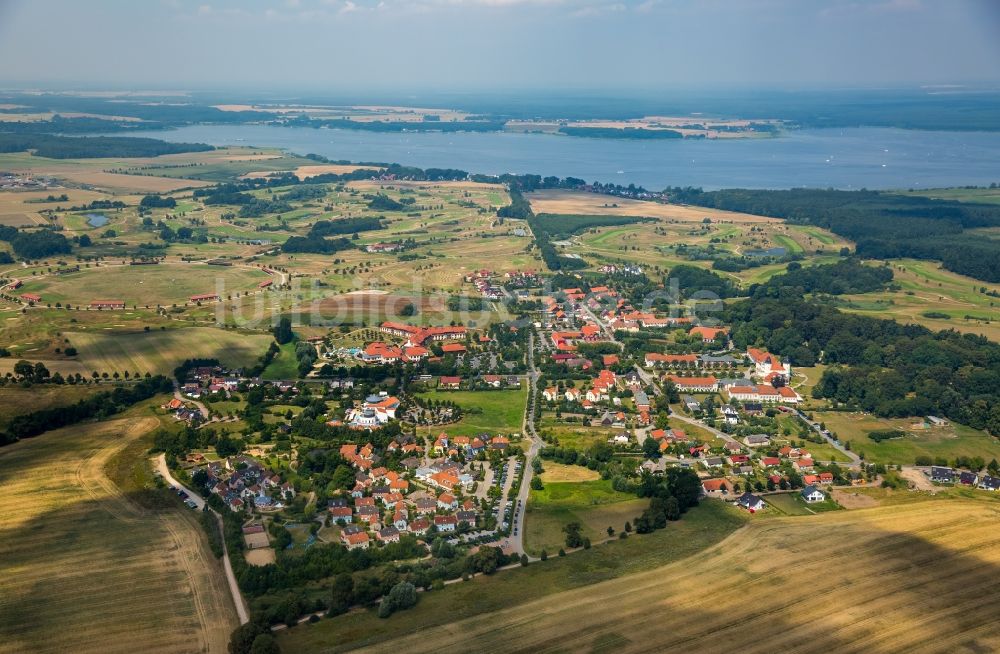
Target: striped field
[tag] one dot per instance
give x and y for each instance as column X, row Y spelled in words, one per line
column 84, row 569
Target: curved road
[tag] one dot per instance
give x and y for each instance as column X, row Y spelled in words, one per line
column 234, row 588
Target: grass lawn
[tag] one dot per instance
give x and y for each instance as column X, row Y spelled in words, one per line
column 284, row 365
column 574, row 435
column 700, row 528
column 948, row 442
column 953, row 300
column 594, row 504
column 793, row 504
column 482, row 411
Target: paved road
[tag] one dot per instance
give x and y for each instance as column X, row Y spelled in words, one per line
column 241, row 608
column 698, row 423
column 650, row 380
column 201, row 407
column 855, row 459
column 528, row 428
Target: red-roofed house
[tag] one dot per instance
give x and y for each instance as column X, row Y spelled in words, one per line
column 450, row 382
column 708, row 334
column 716, row 487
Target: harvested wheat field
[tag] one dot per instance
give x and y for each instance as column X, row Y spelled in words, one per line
column 161, row 352
column 906, row 578
column 583, row 203
column 556, row 472
column 84, row 569
column 305, row 172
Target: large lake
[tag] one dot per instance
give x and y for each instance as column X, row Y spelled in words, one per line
column 854, row 158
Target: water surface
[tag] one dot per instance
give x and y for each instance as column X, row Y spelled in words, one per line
column 875, row 158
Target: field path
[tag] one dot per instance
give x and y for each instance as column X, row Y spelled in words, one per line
column 234, row 588
column 83, row 568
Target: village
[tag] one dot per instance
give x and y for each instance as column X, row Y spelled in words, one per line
column 693, row 401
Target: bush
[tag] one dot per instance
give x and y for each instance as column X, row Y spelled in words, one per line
column 402, row 596
column 880, row 435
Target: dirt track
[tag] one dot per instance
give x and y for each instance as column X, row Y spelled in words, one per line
column 84, row 569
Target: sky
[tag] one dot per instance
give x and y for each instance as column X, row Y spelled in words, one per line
column 453, row 45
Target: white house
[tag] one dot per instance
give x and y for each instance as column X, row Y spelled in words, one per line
column 812, row 494
column 750, row 502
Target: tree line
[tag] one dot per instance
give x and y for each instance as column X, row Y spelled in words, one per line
column 98, row 406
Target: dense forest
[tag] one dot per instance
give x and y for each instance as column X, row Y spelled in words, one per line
column 92, row 147
column 345, row 226
column 892, row 369
column 884, row 225
column 37, row 244
column 847, row 276
column 314, row 244
column 693, row 281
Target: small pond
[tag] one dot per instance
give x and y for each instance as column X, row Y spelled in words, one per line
column 96, row 219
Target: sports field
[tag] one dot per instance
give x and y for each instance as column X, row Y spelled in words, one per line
column 933, row 297
column 680, row 236
column 904, row 578
column 85, row 569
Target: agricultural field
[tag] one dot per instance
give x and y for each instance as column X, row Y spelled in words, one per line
column 163, row 284
column 491, row 412
column 701, row 528
column 305, row 172
column 591, row 503
column 975, row 195
column 948, row 442
column 933, row 297
column 581, row 202
column 84, row 567
column 16, row 401
column 161, row 174
column 117, row 350
column 917, row 574
column 163, row 351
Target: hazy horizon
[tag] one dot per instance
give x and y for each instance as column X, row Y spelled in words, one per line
column 451, row 46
